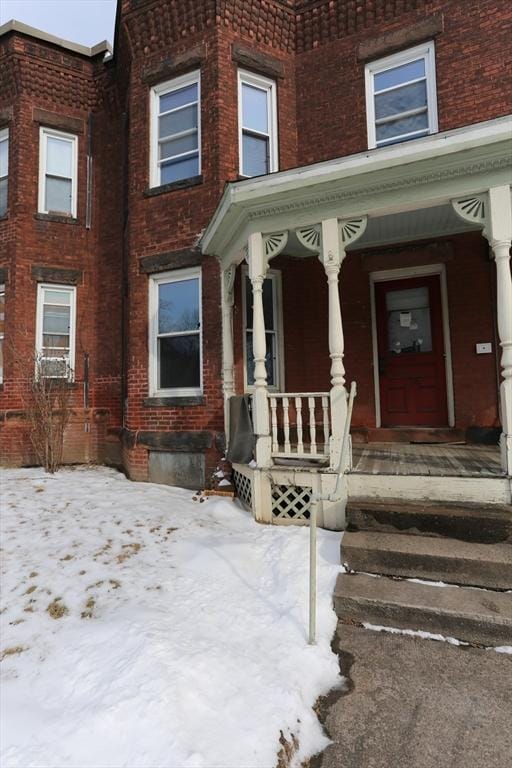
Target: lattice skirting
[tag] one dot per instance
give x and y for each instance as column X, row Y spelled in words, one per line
column 243, row 487
column 290, row 504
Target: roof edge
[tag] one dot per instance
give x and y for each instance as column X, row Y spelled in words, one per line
column 24, row 29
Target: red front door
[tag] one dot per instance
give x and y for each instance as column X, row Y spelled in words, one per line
column 412, row 369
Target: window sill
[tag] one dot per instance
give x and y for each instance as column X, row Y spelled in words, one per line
column 192, row 181
column 63, row 382
column 171, row 402
column 58, row 218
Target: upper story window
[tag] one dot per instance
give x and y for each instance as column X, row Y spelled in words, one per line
column 175, row 333
column 401, row 102
column 257, row 124
column 4, row 169
column 55, row 330
column 58, row 156
column 176, row 130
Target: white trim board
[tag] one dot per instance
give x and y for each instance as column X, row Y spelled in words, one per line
column 403, row 274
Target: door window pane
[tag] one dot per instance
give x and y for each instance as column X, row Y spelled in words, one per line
column 268, row 304
column 270, row 359
column 408, row 324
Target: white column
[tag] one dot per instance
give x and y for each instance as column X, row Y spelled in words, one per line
column 228, row 357
column 499, row 232
column 331, row 256
column 258, row 265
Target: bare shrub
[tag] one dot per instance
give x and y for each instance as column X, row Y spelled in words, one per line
column 48, row 405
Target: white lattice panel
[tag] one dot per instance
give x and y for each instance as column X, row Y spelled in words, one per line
column 243, row 486
column 290, row 503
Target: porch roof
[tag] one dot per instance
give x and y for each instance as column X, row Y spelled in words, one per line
column 423, row 173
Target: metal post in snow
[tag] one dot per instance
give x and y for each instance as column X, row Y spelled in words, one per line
column 312, row 569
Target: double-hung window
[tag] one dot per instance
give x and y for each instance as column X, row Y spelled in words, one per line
column 273, row 330
column 4, row 169
column 257, row 124
column 55, row 346
column 401, row 102
column 176, row 130
column 175, row 361
column 2, row 331
column 58, row 155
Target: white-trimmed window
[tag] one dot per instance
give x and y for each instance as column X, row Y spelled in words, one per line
column 4, row 169
column 401, row 100
column 257, row 124
column 58, row 159
column 55, row 330
column 175, row 151
column 175, row 336
column 2, row 331
column 273, row 330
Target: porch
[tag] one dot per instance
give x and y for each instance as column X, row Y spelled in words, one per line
column 313, row 225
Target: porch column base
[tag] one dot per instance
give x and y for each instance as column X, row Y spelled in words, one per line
column 261, row 497
column 333, row 513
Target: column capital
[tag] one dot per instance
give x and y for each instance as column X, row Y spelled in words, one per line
column 228, row 285
column 491, row 210
column 260, row 249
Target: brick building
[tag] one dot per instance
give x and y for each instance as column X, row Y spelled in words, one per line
column 146, row 195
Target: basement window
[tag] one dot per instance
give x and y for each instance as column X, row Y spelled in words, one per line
column 55, row 334
column 4, row 169
column 401, row 101
column 175, row 151
column 257, row 124
column 58, row 160
column 175, row 343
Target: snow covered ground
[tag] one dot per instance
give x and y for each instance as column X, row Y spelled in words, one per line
column 141, row 628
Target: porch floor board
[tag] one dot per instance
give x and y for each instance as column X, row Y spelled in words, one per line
column 434, row 460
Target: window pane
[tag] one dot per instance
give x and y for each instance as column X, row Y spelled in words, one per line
column 178, row 362
column 405, row 98
column 270, row 359
column 178, row 146
column 58, row 195
column 183, row 120
column 3, row 196
column 4, row 158
column 255, row 155
column 2, row 311
column 179, row 169
column 178, row 98
column 59, row 157
column 388, row 131
column 56, row 319
column 178, row 306
column 268, row 304
column 55, row 346
column 1, row 359
column 254, row 108
column 57, row 297
column 398, row 75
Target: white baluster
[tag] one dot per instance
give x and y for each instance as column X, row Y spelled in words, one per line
column 286, row 424
column 273, row 408
column 300, row 434
column 325, row 409
column 312, row 424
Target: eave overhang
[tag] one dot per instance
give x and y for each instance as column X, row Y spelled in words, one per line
column 402, row 177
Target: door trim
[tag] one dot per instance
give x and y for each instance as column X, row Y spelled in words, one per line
column 402, row 274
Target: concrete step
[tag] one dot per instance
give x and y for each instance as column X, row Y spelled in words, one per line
column 480, row 523
column 476, row 616
column 435, row 559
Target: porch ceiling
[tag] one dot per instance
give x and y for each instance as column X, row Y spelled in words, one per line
column 405, row 190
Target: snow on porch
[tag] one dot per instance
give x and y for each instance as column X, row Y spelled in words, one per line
column 142, row 628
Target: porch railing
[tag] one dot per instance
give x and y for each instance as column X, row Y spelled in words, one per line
column 300, row 425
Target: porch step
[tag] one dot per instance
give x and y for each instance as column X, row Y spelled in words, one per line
column 473, row 615
column 479, row 523
column 426, row 557
column 416, row 435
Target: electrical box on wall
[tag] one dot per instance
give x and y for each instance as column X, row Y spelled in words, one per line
column 484, row 348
